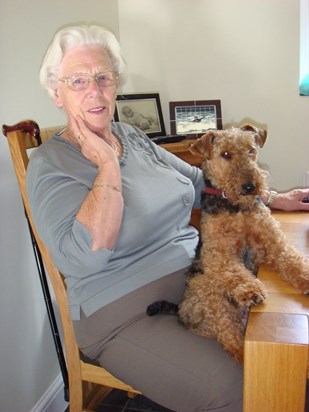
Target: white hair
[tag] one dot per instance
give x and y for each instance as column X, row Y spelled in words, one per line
column 76, row 36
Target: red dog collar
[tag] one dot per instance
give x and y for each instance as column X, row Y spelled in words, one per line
column 214, row 191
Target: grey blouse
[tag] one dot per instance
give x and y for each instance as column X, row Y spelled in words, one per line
column 159, row 191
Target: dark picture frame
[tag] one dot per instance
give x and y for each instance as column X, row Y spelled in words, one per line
column 196, row 117
column 142, row 110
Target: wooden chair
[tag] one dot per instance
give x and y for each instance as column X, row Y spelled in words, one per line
column 88, row 384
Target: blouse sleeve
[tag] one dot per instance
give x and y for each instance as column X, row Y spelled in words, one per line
column 55, row 198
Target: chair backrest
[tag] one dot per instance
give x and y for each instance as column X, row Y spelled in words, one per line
column 21, row 137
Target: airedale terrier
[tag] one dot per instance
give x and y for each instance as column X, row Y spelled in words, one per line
column 237, row 234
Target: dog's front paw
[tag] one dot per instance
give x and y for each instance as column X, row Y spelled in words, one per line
column 303, row 286
column 249, row 294
column 302, row 281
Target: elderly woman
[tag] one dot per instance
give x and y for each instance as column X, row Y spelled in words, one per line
column 113, row 209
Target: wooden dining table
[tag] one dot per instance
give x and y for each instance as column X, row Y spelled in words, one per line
column 276, row 341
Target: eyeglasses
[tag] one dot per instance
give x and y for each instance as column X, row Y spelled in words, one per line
column 81, row 81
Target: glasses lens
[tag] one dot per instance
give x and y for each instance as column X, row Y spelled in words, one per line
column 79, row 82
column 105, row 79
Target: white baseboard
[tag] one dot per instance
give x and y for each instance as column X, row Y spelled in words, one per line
column 53, row 398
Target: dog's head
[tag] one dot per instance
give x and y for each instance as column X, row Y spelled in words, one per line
column 204, row 146
column 230, row 162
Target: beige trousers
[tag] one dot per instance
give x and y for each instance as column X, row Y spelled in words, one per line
column 157, row 355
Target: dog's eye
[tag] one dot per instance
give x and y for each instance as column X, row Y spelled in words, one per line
column 226, row 155
column 252, row 152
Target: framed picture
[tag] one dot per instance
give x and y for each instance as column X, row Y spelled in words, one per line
column 142, row 110
column 194, row 118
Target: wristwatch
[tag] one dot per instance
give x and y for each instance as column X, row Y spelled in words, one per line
column 272, row 196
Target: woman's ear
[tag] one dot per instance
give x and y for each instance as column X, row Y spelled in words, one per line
column 57, row 98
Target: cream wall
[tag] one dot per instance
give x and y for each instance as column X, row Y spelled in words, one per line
column 28, row 364
column 244, row 52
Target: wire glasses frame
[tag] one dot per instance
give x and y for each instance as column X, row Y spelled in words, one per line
column 81, row 81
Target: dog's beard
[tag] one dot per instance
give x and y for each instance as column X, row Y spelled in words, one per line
column 237, row 195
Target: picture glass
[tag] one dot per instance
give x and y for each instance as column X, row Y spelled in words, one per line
column 195, row 119
column 141, row 110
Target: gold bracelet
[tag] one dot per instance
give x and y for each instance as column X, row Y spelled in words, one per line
column 108, row 186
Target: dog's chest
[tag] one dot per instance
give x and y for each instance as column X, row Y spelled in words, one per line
column 228, row 230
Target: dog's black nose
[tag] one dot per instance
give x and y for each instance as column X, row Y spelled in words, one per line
column 248, row 188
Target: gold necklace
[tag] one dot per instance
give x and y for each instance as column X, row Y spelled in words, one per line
column 115, row 147
column 70, row 137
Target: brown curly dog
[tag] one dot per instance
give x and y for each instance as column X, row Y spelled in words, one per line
column 237, row 234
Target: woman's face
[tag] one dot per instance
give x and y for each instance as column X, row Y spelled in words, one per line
column 95, row 105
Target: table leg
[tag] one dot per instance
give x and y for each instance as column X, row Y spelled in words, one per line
column 276, row 362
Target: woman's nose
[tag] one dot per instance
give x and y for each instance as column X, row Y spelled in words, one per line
column 94, row 86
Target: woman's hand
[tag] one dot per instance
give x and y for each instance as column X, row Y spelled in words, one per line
column 292, row 200
column 94, row 148
column 102, row 209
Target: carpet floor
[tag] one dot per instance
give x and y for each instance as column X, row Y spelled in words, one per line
column 118, row 401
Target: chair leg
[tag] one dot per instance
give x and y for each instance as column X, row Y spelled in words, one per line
column 93, row 395
column 50, row 310
column 131, row 395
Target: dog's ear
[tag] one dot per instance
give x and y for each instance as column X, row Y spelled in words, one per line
column 203, row 146
column 260, row 135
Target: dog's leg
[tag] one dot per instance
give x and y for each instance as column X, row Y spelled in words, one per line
column 208, row 313
column 224, row 239
column 279, row 254
column 230, row 330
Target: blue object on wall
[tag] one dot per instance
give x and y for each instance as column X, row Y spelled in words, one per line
column 304, row 86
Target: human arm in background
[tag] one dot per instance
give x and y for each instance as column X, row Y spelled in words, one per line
column 296, row 199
